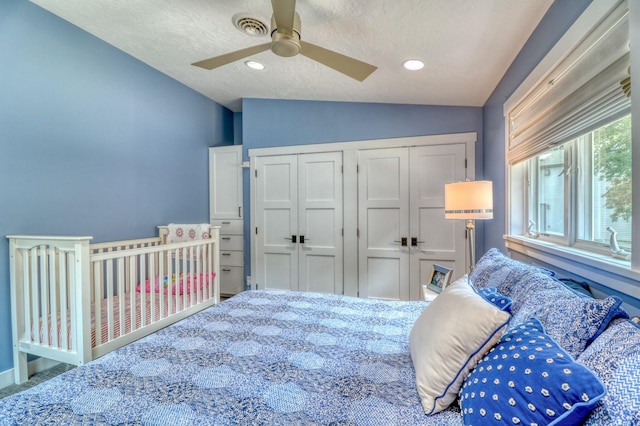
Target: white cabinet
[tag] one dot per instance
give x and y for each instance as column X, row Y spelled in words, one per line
column 225, row 210
column 299, row 241
column 403, row 231
column 225, row 182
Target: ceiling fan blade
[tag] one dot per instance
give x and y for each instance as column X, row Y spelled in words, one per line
column 218, row 61
column 284, row 12
column 339, row 62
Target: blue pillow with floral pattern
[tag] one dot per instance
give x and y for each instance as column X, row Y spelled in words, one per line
column 527, row 378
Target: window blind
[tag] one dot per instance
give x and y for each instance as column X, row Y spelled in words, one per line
column 578, row 95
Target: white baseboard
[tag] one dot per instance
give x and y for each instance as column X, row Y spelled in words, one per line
column 35, row 366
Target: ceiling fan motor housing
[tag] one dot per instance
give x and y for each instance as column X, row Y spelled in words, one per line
column 284, row 43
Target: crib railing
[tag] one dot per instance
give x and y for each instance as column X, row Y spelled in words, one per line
column 46, row 276
column 73, row 302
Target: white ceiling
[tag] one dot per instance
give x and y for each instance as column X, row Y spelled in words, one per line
column 467, row 45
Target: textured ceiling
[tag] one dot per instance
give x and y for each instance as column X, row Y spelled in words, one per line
column 467, row 45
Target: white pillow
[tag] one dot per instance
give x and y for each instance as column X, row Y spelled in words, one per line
column 449, row 338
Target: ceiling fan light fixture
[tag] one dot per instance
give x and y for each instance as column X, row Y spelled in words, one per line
column 254, row 65
column 413, row 64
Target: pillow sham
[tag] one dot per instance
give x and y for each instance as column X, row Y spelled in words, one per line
column 447, row 340
column 572, row 321
column 498, row 300
column 528, row 379
column 615, row 358
column 494, row 269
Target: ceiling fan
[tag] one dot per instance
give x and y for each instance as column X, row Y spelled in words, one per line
column 285, row 41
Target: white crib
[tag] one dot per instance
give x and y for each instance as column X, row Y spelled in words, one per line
column 73, row 301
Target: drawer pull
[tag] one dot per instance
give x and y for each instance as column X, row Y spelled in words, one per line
column 226, row 254
column 226, row 270
column 225, row 238
column 226, row 223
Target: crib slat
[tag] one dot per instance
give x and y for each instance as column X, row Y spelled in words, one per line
column 35, row 308
column 27, row 296
column 170, row 269
column 74, row 344
column 53, row 297
column 43, row 295
column 62, row 274
column 110, row 321
column 121, row 296
column 132, row 293
column 161, row 277
column 143, row 293
column 97, row 302
column 152, row 277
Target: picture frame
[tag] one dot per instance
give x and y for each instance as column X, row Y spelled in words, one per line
column 439, row 278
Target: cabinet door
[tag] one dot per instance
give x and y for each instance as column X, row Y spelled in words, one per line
column 276, row 218
column 438, row 240
column 383, row 221
column 320, row 223
column 225, row 182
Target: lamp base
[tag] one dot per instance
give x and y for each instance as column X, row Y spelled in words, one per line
column 472, row 244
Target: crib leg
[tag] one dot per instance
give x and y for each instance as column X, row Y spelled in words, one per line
column 20, row 367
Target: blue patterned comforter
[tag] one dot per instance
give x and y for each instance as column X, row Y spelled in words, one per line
column 259, row 358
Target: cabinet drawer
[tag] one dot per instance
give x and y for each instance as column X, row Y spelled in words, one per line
column 231, row 258
column 229, row 226
column 231, row 242
column 231, row 279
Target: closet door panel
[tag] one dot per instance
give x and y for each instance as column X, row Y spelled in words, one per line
column 440, row 240
column 320, row 222
column 383, row 220
column 277, row 222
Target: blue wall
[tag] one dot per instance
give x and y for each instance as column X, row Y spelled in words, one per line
column 268, row 123
column 92, row 141
column 555, row 23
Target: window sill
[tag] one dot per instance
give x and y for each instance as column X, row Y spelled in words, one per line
column 603, row 270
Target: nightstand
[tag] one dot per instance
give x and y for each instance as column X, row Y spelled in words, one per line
column 428, row 294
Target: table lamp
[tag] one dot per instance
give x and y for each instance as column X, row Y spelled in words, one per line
column 468, row 201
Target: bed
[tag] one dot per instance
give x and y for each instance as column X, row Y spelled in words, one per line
column 73, row 301
column 507, row 345
column 258, row 358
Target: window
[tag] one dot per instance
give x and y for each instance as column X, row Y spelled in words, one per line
column 569, row 152
column 580, row 192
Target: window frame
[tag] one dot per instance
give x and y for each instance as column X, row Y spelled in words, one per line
column 582, row 259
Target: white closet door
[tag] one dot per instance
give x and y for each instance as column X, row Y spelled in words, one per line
column 439, row 240
column 320, row 222
column 383, row 220
column 277, row 221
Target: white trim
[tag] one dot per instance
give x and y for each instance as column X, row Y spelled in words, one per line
column 469, row 137
column 601, row 269
column 35, row 366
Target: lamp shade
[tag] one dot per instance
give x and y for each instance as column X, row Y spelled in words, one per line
column 468, row 200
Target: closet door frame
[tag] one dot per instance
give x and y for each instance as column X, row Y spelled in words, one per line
column 350, row 191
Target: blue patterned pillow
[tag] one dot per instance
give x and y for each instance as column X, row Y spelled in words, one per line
column 528, row 379
column 572, row 321
column 615, row 358
column 494, row 269
column 501, row 302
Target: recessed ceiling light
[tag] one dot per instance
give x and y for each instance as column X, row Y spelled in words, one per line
column 254, row 65
column 413, row 64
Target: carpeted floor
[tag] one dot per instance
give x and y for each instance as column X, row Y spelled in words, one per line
column 36, row 379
